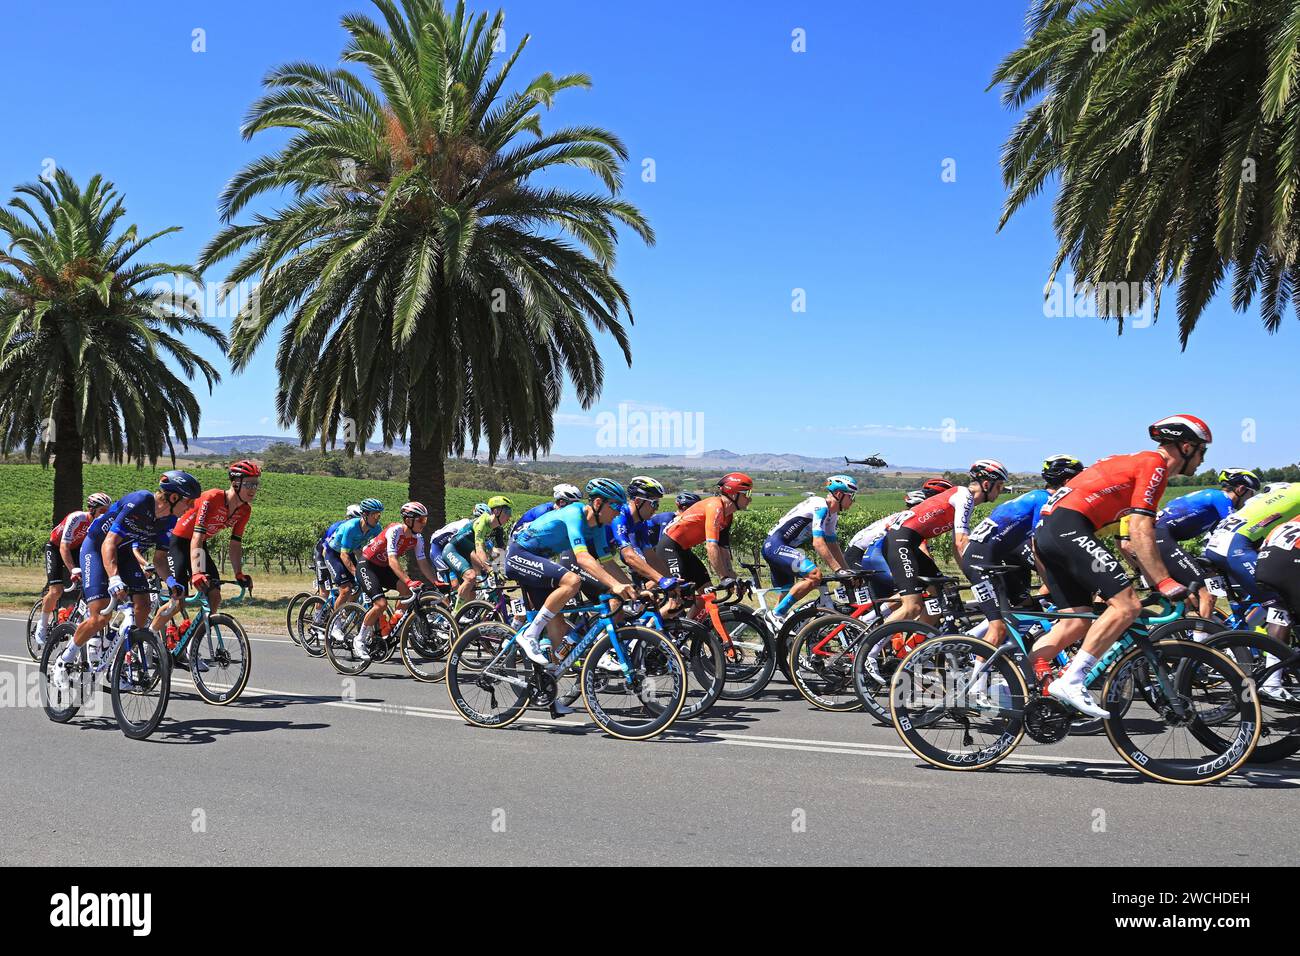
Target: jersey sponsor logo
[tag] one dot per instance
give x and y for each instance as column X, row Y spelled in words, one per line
column 905, row 557
column 525, row 562
column 1105, row 560
column 1154, row 487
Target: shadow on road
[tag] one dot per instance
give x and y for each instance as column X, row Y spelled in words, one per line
column 1284, row 775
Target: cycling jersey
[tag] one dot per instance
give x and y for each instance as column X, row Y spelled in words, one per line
column 811, row 517
column 655, row 526
column 478, row 533
column 531, row 515
column 396, row 540
column 209, row 515
column 703, row 521
column 132, row 518
column 949, row 510
column 564, row 529
column 624, row 532
column 873, row 533
column 329, row 532
column 72, row 529
column 352, row 534
column 1008, row 528
column 1257, row 517
column 1113, row 487
column 444, row 534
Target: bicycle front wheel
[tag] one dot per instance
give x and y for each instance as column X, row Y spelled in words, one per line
column 488, row 676
column 1278, row 690
column 706, row 672
column 642, row 701
column 1204, row 724
column 33, row 650
column 62, row 703
column 220, row 659
column 425, row 637
column 821, row 661
column 941, row 716
column 291, row 614
column 141, row 680
column 310, row 625
column 341, row 632
column 878, row 659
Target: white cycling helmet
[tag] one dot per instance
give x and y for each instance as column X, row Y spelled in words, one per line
column 354, row 511
column 566, row 494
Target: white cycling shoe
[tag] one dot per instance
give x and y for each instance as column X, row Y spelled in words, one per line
column 609, row 663
column 58, row 674
column 1277, row 694
column 1076, row 696
column 359, row 649
column 531, row 647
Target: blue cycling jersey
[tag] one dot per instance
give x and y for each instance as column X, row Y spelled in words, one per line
column 329, row 532
column 1010, row 525
column 352, row 534
column 132, row 518
column 627, row 533
column 564, row 529
column 531, row 515
column 1191, row 516
column 655, row 526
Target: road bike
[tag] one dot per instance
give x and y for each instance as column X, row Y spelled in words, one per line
column 213, row 646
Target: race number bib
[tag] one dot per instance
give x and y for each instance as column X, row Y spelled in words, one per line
column 1279, row 616
column 1217, row 586
column 983, row 591
column 1286, row 537
column 1057, row 495
column 983, row 530
column 841, row 596
column 862, row 596
column 1222, row 535
column 517, row 608
column 932, row 607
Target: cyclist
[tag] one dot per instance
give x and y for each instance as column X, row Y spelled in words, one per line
column 563, row 552
column 188, row 558
column 1233, row 544
column 706, row 522
column 108, row 565
column 662, row 519
column 465, row 554
column 324, row 573
column 1189, row 517
column 1004, row 538
column 380, row 568
column 814, row 518
column 1074, row 565
column 349, row 538
column 62, row 566
column 949, row 510
column 439, row 540
column 633, row 535
column 561, row 495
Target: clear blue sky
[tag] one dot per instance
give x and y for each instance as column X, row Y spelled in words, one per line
column 775, row 171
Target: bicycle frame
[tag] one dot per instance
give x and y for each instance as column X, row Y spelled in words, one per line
column 603, row 625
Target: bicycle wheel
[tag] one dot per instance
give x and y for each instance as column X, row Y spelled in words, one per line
column 62, row 704
column 821, row 661
column 425, row 637
column 789, row 630
column 643, row 701
column 220, row 659
column 702, row 653
column 475, row 612
column 875, row 664
column 1173, row 742
column 34, row 651
column 1255, row 654
column 313, row 615
column 751, row 653
column 291, row 614
column 341, row 631
column 942, row 720
column 488, row 676
column 140, row 677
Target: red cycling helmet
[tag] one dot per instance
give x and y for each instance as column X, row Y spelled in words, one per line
column 936, row 485
column 245, row 469
column 1180, row 428
column 735, row 483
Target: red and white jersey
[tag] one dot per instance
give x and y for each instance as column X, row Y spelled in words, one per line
column 949, row 510
column 209, row 515
column 72, row 529
column 1285, row 536
column 396, row 540
column 1115, row 486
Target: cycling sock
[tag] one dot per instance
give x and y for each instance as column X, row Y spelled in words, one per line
column 535, row 627
column 784, row 605
column 1080, row 664
column 1274, row 680
column 366, row 631
column 70, row 652
column 41, row 626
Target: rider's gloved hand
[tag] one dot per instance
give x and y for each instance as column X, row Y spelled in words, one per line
column 625, row 592
column 413, row 585
column 200, row 581
column 1171, row 589
column 244, row 581
column 116, row 585
column 668, row 583
column 75, row 575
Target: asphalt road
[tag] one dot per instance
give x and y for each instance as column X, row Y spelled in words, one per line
column 296, row 772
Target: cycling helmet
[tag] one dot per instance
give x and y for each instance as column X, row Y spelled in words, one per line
column 372, row 506
column 914, row 498
column 413, row 509
column 244, row 469
column 180, row 483
column 1239, row 478
column 1059, row 469
column 98, row 500
column 1179, row 428
column 989, row 469
column 566, row 494
column 481, row 509
column 608, row 489
column 935, row 485
column 644, row 487
column 841, row 483
column 499, row 501
column 735, row 483
column 354, row 511
column 686, row 499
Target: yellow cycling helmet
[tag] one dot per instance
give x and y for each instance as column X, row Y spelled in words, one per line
column 499, row 501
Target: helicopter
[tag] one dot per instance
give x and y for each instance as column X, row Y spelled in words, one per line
column 871, row 461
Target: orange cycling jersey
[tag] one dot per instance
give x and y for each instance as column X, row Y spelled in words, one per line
column 1114, row 487
column 209, row 515
column 703, row 521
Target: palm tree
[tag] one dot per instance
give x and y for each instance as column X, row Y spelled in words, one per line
column 432, row 285
column 1172, row 125
column 83, row 344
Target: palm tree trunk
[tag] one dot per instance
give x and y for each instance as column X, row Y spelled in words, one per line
column 68, row 490
column 427, row 478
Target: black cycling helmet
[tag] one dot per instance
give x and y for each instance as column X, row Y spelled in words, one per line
column 686, row 499
column 1240, row 478
column 1058, row 469
column 180, row 483
column 642, row 486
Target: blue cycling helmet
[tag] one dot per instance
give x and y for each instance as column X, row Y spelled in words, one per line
column 481, row 509
column 841, row 483
column 180, row 483
column 686, row 499
column 371, row 506
column 608, row 489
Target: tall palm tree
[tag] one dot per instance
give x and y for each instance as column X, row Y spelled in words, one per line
column 1174, row 128
column 432, row 285
column 83, row 343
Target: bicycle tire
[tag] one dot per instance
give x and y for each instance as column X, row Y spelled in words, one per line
column 703, row 655
column 479, row 650
column 234, row 663
column 33, row 651
column 81, row 681
column 821, row 661
column 291, row 614
column 424, row 640
column 656, row 666
column 873, row 695
column 142, row 644
column 311, row 632
column 1279, row 737
column 751, row 660
column 475, row 612
column 339, row 650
